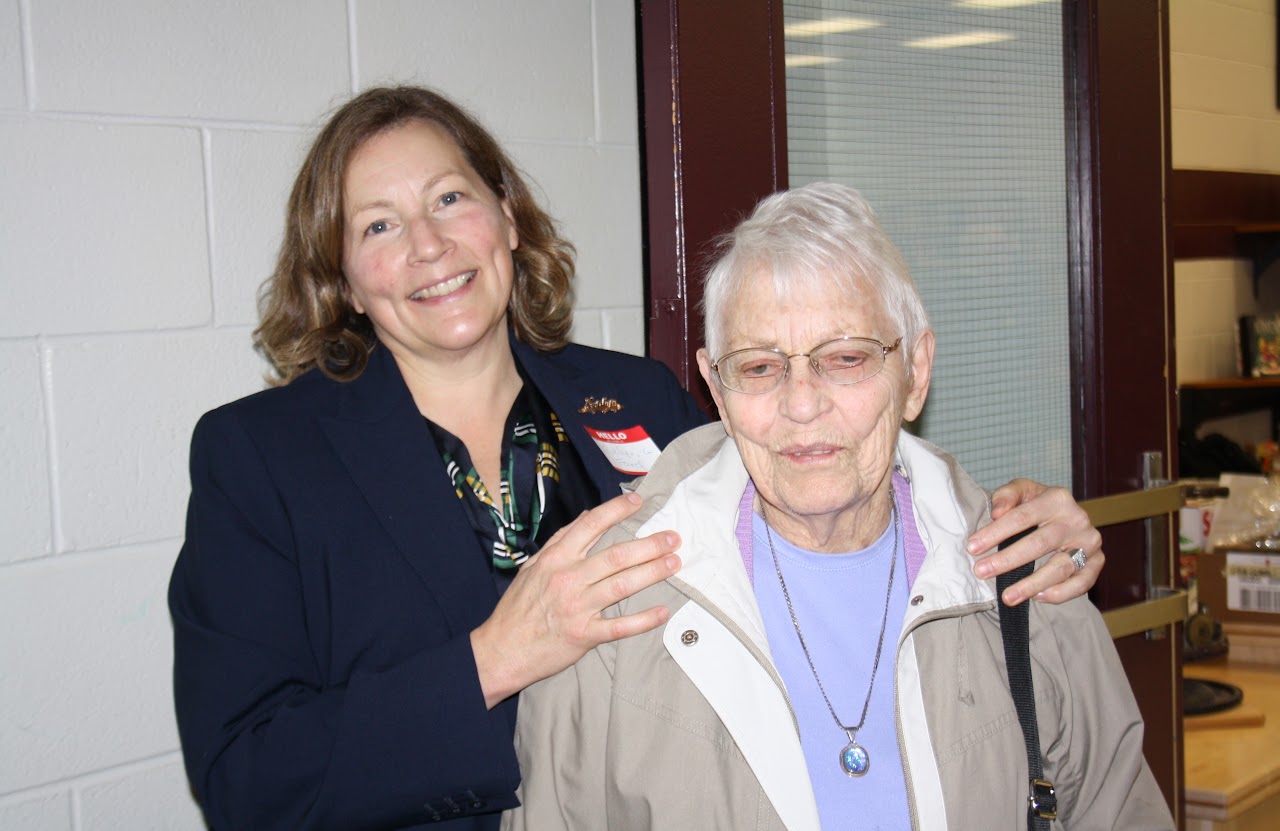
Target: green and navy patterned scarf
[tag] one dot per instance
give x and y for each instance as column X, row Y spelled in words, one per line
column 512, row 524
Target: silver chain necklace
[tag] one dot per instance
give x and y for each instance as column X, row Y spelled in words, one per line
column 854, row 759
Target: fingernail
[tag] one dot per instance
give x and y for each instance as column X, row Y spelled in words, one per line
column 634, row 498
column 973, row 547
column 984, row 569
column 673, row 563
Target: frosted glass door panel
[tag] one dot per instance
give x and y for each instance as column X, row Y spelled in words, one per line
column 948, row 116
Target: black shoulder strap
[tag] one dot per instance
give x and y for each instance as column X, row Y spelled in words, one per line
column 1042, row 800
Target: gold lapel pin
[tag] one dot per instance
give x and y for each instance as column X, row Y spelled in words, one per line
column 599, row 405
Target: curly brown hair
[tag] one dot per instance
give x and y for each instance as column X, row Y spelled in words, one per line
column 307, row 319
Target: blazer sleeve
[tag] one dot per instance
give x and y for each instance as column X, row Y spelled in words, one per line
column 271, row 740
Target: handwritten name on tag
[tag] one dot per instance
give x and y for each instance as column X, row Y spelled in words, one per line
column 629, row 450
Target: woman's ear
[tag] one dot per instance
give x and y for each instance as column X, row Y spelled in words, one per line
column 921, row 369
column 350, row 296
column 717, row 394
column 513, row 236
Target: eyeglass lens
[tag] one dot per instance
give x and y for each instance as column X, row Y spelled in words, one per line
column 844, row 361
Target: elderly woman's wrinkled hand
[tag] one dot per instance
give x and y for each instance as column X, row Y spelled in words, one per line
column 1061, row 526
column 550, row 616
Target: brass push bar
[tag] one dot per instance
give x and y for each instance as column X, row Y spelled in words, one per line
column 1166, row 605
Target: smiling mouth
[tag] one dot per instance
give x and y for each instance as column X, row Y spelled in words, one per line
column 808, row 453
column 441, row 289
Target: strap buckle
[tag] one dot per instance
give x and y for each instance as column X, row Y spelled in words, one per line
column 1043, row 799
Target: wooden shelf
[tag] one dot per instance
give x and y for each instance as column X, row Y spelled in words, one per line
column 1232, row 383
column 1262, row 243
column 1258, row 228
column 1225, row 214
column 1258, row 242
column 1200, row 401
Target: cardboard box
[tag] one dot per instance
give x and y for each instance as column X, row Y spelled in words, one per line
column 1240, row 586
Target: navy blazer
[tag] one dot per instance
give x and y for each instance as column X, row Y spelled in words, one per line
column 324, row 597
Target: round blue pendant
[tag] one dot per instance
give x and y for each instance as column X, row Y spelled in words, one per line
column 854, row 759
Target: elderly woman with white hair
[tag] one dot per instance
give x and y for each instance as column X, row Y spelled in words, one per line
column 830, row 661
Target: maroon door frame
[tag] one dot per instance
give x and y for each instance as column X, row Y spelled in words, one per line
column 714, row 144
column 1119, row 169
column 714, row 111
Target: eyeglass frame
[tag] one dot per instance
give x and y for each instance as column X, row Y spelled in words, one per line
column 786, row 370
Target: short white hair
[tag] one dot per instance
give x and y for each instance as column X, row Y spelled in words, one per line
column 807, row 238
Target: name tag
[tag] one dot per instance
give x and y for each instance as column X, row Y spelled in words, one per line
column 630, row 450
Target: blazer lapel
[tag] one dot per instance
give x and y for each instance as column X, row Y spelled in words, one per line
column 565, row 391
column 386, row 447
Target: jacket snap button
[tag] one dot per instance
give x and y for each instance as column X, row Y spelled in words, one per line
column 689, row 637
column 917, row 600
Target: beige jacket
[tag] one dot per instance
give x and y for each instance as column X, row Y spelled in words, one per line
column 689, row 726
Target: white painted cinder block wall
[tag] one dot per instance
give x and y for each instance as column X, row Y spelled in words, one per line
column 146, row 150
column 1224, row 116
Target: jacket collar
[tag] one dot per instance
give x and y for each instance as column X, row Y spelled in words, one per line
column 705, row 479
column 376, row 393
column 703, row 506
column 948, row 507
column 387, row 449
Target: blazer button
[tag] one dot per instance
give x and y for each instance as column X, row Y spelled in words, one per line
column 689, row 637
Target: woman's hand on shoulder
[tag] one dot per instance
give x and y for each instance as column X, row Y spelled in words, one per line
column 1060, row 526
column 550, row 615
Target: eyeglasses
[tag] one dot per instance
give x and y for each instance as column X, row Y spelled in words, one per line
column 845, row 360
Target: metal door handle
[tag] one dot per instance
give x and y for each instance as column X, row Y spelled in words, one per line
column 1164, row 605
column 1125, row 507
column 1170, row 606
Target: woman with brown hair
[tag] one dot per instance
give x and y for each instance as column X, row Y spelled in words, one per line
column 390, row 544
